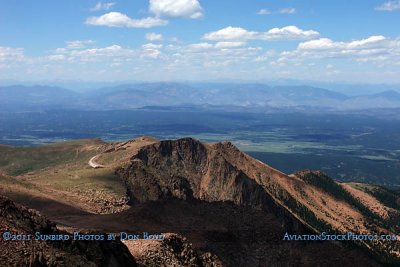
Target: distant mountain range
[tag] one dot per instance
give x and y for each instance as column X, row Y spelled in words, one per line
column 247, row 96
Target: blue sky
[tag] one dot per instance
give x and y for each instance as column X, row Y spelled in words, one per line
column 153, row 40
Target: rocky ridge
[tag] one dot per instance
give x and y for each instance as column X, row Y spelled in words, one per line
column 189, row 170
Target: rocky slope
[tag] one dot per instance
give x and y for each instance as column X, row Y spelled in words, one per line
column 221, row 206
column 186, row 169
column 174, row 250
column 20, row 220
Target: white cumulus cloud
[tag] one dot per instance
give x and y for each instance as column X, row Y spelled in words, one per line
column 117, row 19
column 152, row 46
column 320, row 44
column 229, row 44
column 288, row 10
column 10, row 54
column 285, row 33
column 77, row 44
column 152, row 36
column 94, row 54
column 151, row 51
column 230, row 33
column 56, row 57
column 289, row 33
column 263, row 11
column 102, row 6
column 374, row 48
column 199, row 47
column 325, row 43
column 389, row 6
column 176, row 8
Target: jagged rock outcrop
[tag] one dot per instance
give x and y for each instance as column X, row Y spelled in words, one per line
column 174, row 250
column 187, row 169
column 190, row 170
column 17, row 219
